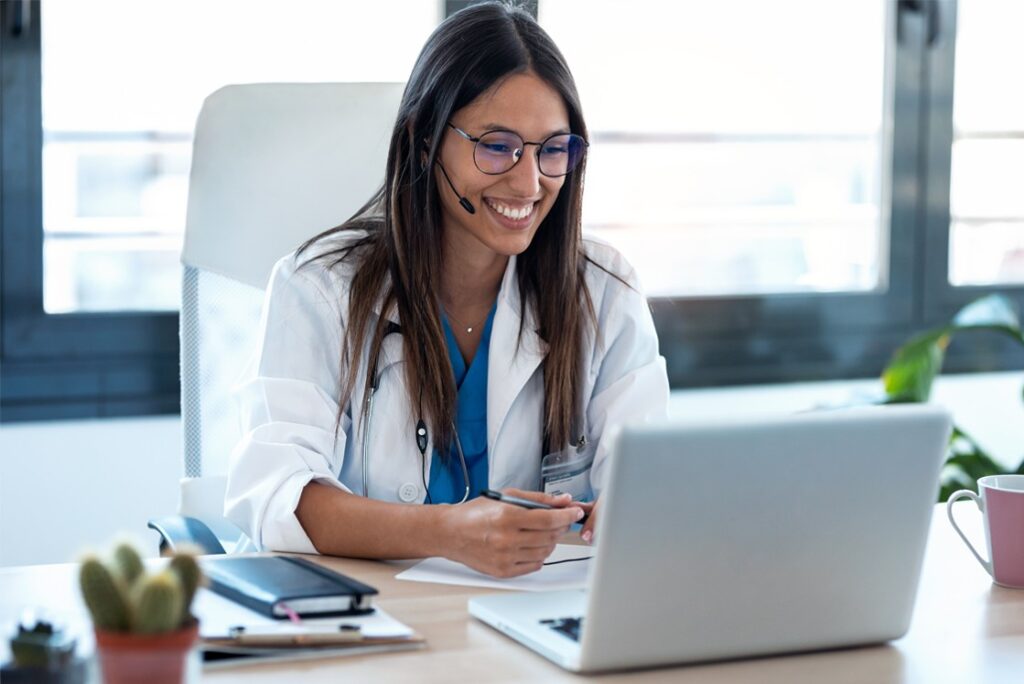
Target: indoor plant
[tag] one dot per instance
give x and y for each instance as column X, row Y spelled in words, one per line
column 909, row 376
column 143, row 621
column 42, row 653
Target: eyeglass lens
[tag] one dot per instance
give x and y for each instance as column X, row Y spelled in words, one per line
column 498, row 151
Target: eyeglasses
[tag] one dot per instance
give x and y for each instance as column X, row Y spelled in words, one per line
column 496, row 152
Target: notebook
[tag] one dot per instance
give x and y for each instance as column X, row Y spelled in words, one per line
column 232, row 634
column 282, row 586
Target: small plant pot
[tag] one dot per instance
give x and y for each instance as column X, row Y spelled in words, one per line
column 127, row 658
column 73, row 672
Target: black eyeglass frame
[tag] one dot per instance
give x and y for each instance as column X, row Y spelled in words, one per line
column 476, row 141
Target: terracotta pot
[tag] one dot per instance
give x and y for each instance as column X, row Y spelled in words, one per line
column 127, row 658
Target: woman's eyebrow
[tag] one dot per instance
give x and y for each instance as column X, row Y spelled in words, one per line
column 502, row 127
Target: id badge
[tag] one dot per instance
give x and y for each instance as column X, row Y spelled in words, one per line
column 568, row 471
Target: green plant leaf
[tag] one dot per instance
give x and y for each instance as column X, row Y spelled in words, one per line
column 975, row 466
column 948, row 487
column 909, row 375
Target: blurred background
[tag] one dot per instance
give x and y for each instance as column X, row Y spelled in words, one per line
column 801, row 185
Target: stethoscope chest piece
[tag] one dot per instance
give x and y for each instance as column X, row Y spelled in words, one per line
column 421, row 436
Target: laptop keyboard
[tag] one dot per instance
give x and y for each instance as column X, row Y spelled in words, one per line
column 569, row 626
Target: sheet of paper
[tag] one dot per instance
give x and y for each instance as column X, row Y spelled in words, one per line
column 571, row 574
column 217, row 615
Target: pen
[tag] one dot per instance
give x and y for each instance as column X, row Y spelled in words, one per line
column 523, row 503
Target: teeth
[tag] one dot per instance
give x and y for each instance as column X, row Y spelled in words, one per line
column 509, row 212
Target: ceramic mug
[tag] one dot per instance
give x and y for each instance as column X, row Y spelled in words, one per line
column 1001, row 502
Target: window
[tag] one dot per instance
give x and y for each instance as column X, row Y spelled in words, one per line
column 117, row 132
column 779, row 174
column 802, row 185
column 99, row 101
column 724, row 160
column 986, row 200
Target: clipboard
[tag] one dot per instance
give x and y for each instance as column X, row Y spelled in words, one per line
column 231, row 633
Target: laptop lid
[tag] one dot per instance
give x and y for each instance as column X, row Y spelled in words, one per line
column 762, row 535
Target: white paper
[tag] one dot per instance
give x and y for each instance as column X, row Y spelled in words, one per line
column 570, row 575
column 217, row 615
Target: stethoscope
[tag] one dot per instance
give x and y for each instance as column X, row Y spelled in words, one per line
column 422, row 438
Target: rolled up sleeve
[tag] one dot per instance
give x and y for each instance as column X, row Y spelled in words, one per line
column 288, row 408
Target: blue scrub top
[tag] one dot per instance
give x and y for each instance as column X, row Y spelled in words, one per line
column 446, row 483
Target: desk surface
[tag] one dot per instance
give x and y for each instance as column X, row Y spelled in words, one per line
column 965, row 629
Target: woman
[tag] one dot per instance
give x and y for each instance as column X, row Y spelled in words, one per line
column 456, row 334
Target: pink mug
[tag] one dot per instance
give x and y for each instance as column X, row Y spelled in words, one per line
column 1001, row 502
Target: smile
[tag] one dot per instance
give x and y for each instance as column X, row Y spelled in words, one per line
column 510, row 212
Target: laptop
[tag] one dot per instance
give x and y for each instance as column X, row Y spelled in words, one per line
column 746, row 537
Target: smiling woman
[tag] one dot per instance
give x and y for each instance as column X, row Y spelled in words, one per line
column 477, row 224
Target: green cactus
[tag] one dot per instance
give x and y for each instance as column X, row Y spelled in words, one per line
column 122, row 597
column 129, row 565
column 103, row 596
column 158, row 603
column 191, row 577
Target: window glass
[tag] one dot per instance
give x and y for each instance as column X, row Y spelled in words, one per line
column 122, row 84
column 735, row 145
column 986, row 244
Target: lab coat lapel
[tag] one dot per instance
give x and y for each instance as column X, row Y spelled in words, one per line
column 509, row 368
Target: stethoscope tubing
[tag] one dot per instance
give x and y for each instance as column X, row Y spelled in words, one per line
column 368, row 420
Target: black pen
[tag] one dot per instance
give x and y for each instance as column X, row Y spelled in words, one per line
column 522, row 503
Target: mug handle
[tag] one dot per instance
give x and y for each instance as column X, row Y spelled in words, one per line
column 967, row 494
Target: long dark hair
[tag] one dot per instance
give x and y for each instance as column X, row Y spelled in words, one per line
column 399, row 261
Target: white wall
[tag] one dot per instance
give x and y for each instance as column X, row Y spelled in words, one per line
column 71, row 485
column 988, row 406
column 66, row 486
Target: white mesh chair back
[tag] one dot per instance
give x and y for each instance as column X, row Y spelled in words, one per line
column 272, row 165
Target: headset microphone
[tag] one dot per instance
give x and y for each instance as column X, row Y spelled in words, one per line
column 465, row 203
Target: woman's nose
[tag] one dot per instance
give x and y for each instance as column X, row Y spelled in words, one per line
column 524, row 177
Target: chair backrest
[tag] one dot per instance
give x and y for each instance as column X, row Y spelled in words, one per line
column 272, row 165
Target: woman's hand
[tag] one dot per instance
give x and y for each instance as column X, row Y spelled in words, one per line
column 587, row 533
column 505, row 540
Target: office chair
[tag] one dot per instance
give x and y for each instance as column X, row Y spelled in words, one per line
column 272, row 165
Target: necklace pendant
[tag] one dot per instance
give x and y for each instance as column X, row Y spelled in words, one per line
column 469, row 330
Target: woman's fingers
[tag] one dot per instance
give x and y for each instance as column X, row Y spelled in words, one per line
column 532, row 539
column 505, row 540
column 554, row 519
column 559, row 501
column 587, row 533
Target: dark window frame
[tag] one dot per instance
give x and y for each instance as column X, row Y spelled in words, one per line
column 120, row 364
column 60, row 365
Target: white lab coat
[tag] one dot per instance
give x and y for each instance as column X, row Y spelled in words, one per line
column 288, row 398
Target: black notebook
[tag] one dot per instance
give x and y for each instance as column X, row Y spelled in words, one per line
column 278, row 585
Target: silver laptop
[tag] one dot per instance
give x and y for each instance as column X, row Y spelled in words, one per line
column 746, row 537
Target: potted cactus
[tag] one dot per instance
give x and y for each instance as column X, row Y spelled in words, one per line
column 42, row 653
column 143, row 621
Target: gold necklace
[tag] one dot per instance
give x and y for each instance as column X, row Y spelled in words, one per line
column 469, row 328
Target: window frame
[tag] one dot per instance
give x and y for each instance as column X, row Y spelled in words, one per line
column 74, row 365
column 938, row 300
column 736, row 340
column 120, row 364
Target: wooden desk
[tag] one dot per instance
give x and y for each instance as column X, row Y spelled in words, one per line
column 965, row 629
